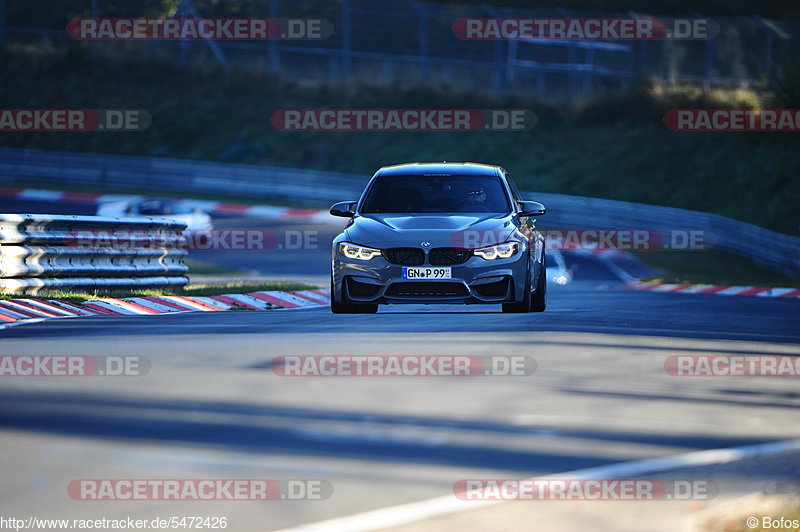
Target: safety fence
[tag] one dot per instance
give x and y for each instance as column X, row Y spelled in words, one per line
column 413, row 41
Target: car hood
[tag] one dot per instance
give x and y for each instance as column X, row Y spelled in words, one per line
column 441, row 230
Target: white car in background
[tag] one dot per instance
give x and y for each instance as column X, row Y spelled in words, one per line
column 195, row 219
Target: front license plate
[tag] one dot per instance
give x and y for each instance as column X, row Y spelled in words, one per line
column 427, row 273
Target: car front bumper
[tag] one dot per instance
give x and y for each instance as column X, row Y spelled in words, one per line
column 475, row 281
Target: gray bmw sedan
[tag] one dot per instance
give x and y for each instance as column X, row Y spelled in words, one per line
column 439, row 233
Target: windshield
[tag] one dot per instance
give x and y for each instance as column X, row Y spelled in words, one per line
column 160, row 207
column 427, row 194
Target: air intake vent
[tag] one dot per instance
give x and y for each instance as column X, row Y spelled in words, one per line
column 427, row 289
column 405, row 256
column 448, row 256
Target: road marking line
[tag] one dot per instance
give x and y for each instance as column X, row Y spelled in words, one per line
column 101, row 308
column 311, row 296
column 235, row 302
column 199, row 303
column 724, row 290
column 250, row 301
column 52, row 308
column 159, row 306
column 111, row 307
column 171, row 304
column 16, row 312
column 416, row 511
column 734, row 290
column 713, row 289
column 24, row 305
column 134, row 308
column 278, row 299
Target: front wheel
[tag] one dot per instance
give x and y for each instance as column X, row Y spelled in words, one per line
column 532, row 302
column 539, row 298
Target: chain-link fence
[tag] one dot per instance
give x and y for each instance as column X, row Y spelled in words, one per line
column 412, row 42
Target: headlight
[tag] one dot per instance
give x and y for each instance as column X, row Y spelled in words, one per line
column 353, row 251
column 499, row 251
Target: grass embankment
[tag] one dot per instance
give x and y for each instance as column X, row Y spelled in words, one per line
column 615, row 148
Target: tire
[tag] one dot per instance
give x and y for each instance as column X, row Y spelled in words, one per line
column 353, row 308
column 339, row 307
column 539, row 298
column 533, row 302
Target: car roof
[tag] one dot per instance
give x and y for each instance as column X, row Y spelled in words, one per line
column 457, row 169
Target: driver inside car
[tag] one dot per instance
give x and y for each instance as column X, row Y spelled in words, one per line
column 475, row 199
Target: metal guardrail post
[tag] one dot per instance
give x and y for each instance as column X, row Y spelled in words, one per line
column 347, row 41
column 272, row 44
column 709, row 68
column 638, row 48
column 587, row 75
column 573, row 58
column 213, row 45
column 499, row 77
column 2, row 22
column 183, row 44
column 770, row 32
column 92, row 44
column 424, row 60
column 511, row 61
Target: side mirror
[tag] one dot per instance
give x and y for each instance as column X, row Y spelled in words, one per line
column 531, row 208
column 345, row 209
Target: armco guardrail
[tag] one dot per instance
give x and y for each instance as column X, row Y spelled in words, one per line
column 53, row 251
column 31, row 167
column 28, row 168
column 772, row 250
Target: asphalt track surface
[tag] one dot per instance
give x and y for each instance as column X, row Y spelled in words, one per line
column 212, row 406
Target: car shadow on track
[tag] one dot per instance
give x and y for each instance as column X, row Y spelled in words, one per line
column 306, row 432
